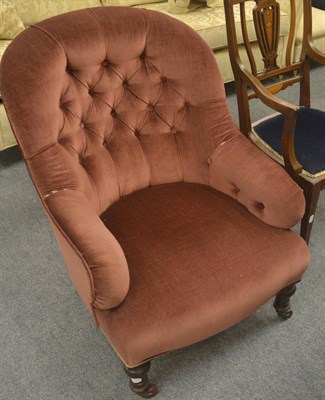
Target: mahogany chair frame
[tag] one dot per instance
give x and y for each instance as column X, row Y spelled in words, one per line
column 266, row 15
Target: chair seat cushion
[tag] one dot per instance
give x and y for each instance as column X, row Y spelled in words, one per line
column 309, row 139
column 199, row 262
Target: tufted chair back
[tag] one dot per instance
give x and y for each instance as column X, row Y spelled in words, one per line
column 123, row 99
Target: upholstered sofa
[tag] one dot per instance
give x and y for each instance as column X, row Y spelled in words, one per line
column 209, row 22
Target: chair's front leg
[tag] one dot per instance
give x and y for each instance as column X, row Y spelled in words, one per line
column 139, row 381
column 282, row 302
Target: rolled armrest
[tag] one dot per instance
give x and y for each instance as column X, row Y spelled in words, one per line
column 242, row 171
column 78, row 222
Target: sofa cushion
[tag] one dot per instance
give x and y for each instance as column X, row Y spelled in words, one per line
column 214, row 3
column 128, row 3
column 32, row 11
column 10, row 23
column 3, row 46
column 210, row 23
column 7, row 138
column 185, row 6
column 318, row 21
column 198, row 261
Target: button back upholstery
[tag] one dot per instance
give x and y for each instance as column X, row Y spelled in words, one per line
column 117, row 105
column 107, row 102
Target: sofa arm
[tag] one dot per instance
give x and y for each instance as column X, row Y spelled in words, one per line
column 73, row 215
column 242, row 171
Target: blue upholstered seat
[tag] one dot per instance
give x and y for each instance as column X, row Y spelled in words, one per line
column 309, row 138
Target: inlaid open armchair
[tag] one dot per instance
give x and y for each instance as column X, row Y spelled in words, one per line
column 295, row 135
column 172, row 224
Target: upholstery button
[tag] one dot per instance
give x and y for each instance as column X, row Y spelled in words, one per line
column 236, row 190
column 125, row 84
column 82, row 125
column 209, row 161
column 105, row 63
column 187, row 104
column 151, row 107
column 142, row 56
column 113, row 113
column 163, row 79
column 136, row 133
column 173, row 130
column 260, row 206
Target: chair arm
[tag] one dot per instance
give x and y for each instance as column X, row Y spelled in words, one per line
column 272, row 101
column 242, row 171
column 308, row 46
column 315, row 54
column 289, row 111
column 73, row 215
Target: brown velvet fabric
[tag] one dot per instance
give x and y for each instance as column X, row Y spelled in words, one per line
column 139, row 108
column 241, row 171
column 105, row 102
column 104, row 257
column 199, row 263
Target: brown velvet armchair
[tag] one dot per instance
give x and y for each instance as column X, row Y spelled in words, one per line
column 172, row 224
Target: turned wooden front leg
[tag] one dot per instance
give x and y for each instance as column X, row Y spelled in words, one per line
column 282, row 302
column 139, row 381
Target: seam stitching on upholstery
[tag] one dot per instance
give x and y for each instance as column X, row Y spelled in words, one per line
column 90, row 109
column 94, row 132
column 124, row 123
column 99, row 79
column 61, row 46
column 116, row 173
column 226, row 141
column 115, row 72
column 92, row 183
column 163, row 119
column 139, row 66
column 78, row 79
column 50, row 35
column 41, row 151
column 72, row 113
column 92, row 12
column 182, row 117
column 139, row 98
column 179, row 157
column 72, row 148
column 147, row 162
column 147, row 17
column 51, row 192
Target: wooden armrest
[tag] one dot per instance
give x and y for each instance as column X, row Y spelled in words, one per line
column 315, row 54
column 290, row 116
column 264, row 95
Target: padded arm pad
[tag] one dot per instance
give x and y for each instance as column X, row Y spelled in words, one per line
column 103, row 255
column 242, row 171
